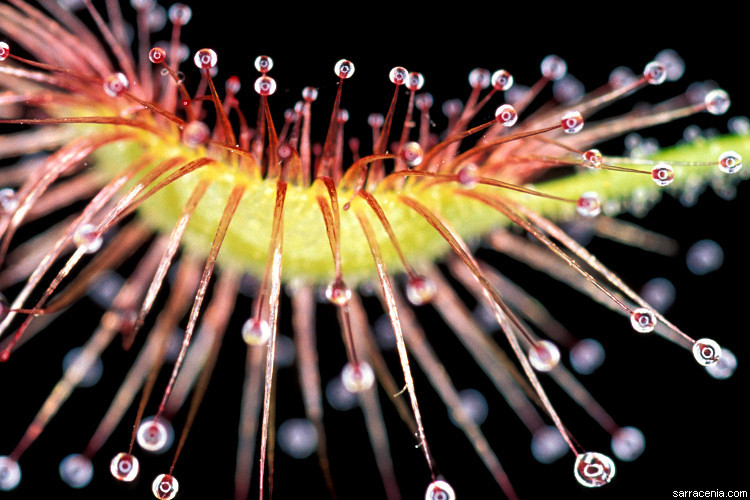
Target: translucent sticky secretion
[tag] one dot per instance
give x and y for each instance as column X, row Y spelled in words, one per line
column 398, row 75
column 643, row 320
column 548, row 445
column 205, row 58
column 594, row 469
column 730, row 162
column 76, row 470
column 10, row 473
column 544, row 356
column 628, row 443
column 586, row 356
column 8, row 201
column 298, row 438
column 256, row 331
column 412, row 153
column 263, row 64
column 717, row 102
column 420, row 290
column 415, row 81
column 124, row 467
column 344, row 69
column 4, row 51
column 116, row 84
column 725, row 367
column 706, row 351
column 87, row 238
column 662, row 174
column 501, row 80
column 309, row 94
column 155, row 435
column 338, row 293
column 157, row 55
column 592, row 158
column 506, row 115
column 439, row 490
column 165, row 487
column 655, row 73
column 357, row 378
column 588, row 204
column 572, row 122
column 265, row 85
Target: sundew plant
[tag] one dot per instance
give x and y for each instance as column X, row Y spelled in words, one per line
column 252, row 259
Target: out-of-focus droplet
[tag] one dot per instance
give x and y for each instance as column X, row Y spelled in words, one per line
column 725, row 367
column 704, row 256
column 93, row 372
column 10, row 473
column 586, row 356
column 659, row 293
column 474, row 406
column 298, row 438
column 548, row 445
column 628, row 443
column 76, row 470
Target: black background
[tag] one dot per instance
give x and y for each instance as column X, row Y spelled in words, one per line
column 695, row 430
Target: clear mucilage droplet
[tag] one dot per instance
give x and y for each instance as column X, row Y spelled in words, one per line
column 87, row 238
column 256, row 331
column 420, row 290
column 357, row 378
column 572, row 122
column 706, row 351
column 344, row 69
column 730, row 162
column 643, row 320
column 297, row 437
column 662, row 174
column 588, row 204
column 544, row 356
column 592, row 158
column 165, row 487
column 124, row 467
column 593, row 469
column 439, row 490
column 506, row 115
column 155, row 435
